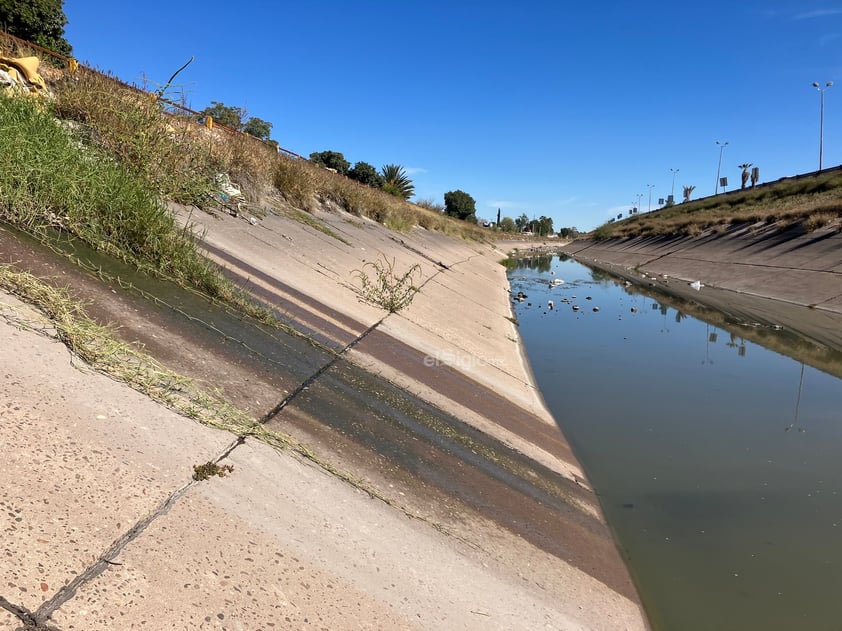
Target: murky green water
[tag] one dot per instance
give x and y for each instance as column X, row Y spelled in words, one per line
column 718, row 462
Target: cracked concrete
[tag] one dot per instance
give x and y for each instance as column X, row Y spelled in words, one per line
column 105, row 528
column 113, row 534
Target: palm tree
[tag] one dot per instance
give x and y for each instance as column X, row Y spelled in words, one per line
column 688, row 190
column 396, row 181
column 745, row 167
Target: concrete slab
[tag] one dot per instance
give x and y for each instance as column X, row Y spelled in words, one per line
column 251, row 552
column 792, row 280
column 277, row 542
column 84, row 458
column 203, row 567
column 361, row 563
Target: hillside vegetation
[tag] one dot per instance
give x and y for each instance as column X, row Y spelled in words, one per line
column 813, row 201
column 99, row 160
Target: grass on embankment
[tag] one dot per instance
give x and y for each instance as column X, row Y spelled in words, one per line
column 813, row 201
column 51, row 181
column 181, row 159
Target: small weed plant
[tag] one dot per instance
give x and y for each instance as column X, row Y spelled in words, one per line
column 380, row 285
column 209, row 469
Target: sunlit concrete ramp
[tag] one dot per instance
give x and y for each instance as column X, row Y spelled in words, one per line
column 459, row 326
column 430, row 488
column 789, row 278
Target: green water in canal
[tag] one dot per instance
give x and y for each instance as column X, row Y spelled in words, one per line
column 718, row 462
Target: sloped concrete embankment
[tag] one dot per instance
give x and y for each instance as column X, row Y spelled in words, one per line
column 458, row 503
column 788, row 278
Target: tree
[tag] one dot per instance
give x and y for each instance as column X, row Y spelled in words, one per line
column 688, row 190
column 223, row 114
column 745, row 167
column 460, row 205
column 258, row 128
column 38, row 21
column 521, row 222
column 365, row 173
column 507, row 224
column 331, row 160
column 396, row 181
column 545, row 226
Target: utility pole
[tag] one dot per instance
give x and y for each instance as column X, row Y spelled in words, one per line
column 821, row 117
column 719, row 167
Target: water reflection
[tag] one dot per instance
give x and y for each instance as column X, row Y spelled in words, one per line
column 717, row 466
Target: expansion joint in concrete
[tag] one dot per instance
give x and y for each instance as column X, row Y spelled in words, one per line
column 43, row 613
column 37, row 621
column 25, row 616
column 315, row 376
column 420, row 253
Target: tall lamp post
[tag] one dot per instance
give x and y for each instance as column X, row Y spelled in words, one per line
column 821, row 117
column 672, row 192
column 650, row 187
column 639, row 197
column 719, row 166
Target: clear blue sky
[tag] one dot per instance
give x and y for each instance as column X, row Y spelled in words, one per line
column 564, row 109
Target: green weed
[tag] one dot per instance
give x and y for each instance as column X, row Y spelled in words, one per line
column 388, row 290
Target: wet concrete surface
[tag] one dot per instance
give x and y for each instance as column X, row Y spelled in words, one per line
column 459, row 387
column 443, row 462
column 254, row 365
column 380, row 434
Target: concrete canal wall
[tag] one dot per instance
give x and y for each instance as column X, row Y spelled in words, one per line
column 785, row 278
column 433, row 489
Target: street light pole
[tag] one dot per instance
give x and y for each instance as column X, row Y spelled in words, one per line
column 719, row 166
column 650, row 187
column 821, row 117
column 639, row 197
column 672, row 192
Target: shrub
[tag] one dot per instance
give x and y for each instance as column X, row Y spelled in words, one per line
column 388, row 290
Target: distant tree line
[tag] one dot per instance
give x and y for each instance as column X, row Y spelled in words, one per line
column 42, row 22
column 236, row 118
column 390, row 178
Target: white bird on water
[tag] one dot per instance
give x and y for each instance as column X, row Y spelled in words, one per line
column 696, row 284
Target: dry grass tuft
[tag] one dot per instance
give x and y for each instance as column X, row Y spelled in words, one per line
column 811, row 201
column 181, row 159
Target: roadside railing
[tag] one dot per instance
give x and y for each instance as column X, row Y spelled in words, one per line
column 19, row 47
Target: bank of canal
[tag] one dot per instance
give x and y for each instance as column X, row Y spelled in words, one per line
column 716, row 459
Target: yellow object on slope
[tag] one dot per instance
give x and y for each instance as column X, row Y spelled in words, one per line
column 21, row 74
